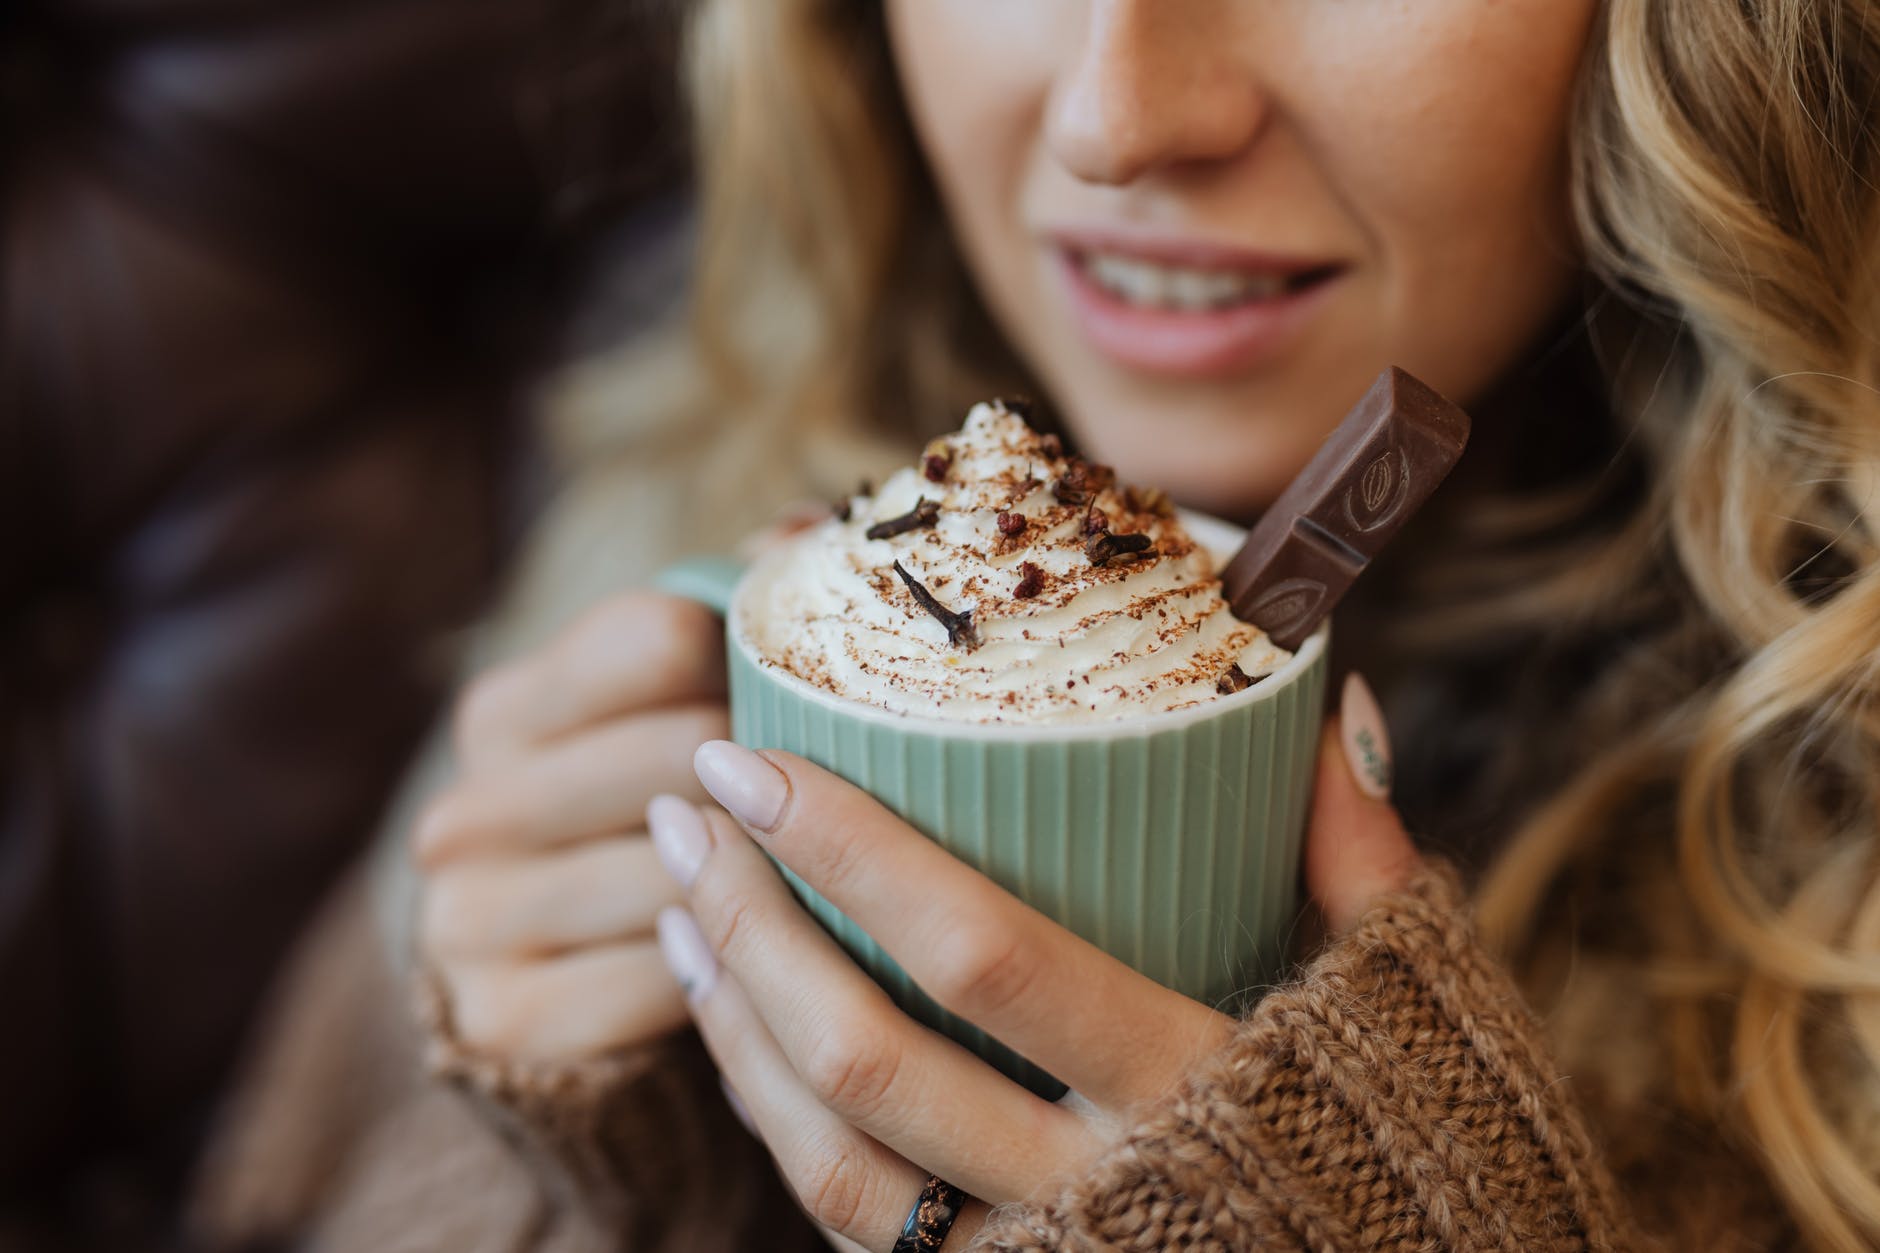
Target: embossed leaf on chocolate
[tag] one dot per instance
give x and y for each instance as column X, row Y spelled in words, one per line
column 1375, row 470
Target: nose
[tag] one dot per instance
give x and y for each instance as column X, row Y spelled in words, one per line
column 1152, row 83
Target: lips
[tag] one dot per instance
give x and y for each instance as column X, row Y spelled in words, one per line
column 1185, row 308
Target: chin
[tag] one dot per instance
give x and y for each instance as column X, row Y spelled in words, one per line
column 1227, row 466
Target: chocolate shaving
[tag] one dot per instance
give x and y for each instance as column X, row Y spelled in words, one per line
column 959, row 625
column 1095, row 522
column 1102, row 548
column 1234, row 680
column 1051, row 446
column 924, row 513
column 1031, row 580
column 936, row 461
column 1011, row 523
column 845, row 509
column 1083, row 480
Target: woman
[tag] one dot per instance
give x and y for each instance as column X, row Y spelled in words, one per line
column 1630, row 662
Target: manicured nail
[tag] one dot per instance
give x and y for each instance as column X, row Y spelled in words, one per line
column 744, row 783
column 687, row 955
column 737, row 1105
column 1366, row 740
column 679, row 836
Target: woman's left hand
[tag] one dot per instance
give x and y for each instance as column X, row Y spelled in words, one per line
column 857, row 1102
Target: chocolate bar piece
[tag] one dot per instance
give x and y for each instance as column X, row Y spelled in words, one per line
column 1370, row 475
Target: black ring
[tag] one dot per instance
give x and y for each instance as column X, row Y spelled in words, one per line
column 931, row 1218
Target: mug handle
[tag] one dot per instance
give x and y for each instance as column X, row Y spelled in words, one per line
column 707, row 580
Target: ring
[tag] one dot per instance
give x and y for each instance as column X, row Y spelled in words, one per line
column 931, row 1218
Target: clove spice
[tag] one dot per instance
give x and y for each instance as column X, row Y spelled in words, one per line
column 1101, row 549
column 1082, row 481
column 924, row 513
column 959, row 625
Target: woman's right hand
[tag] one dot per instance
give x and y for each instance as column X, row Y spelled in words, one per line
column 540, row 886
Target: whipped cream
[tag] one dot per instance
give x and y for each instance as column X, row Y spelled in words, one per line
column 1050, row 620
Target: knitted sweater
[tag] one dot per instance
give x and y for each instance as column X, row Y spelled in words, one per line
column 1398, row 1095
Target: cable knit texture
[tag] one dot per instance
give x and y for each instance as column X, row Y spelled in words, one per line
column 635, row 1150
column 1397, row 1097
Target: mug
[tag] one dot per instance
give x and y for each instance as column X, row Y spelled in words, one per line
column 1171, row 840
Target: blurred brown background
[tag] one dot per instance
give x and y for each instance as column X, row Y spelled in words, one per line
column 276, row 275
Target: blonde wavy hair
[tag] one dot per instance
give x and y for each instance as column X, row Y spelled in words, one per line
column 1724, row 179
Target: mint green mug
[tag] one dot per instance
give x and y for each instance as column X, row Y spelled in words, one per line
column 1171, row 840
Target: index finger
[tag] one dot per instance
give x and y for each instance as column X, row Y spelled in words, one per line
column 1112, row 1034
column 639, row 651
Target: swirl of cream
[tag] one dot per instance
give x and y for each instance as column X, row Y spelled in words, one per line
column 1060, row 631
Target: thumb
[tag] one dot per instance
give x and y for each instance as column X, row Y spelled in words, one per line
column 1356, row 848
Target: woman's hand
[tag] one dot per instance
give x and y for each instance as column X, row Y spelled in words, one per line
column 540, row 888
column 857, row 1102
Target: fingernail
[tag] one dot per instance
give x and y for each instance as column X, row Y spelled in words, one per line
column 679, row 836
column 1366, row 741
column 737, row 1105
column 687, row 955
column 744, row 783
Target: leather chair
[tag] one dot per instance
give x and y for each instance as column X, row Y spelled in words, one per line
column 271, row 275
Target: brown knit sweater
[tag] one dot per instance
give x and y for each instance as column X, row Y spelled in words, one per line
column 1396, row 1096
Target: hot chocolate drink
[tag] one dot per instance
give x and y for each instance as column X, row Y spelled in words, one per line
column 1001, row 580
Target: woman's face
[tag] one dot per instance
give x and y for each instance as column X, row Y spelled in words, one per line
column 1208, row 224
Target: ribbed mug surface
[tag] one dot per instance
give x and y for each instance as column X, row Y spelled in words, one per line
column 1170, row 841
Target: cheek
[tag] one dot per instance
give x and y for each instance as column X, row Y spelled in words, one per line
column 975, row 74
column 1452, row 159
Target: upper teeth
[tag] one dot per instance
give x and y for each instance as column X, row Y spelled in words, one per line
column 1176, row 287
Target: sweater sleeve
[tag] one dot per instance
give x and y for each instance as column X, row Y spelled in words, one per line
column 1397, row 1096
column 638, row 1146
